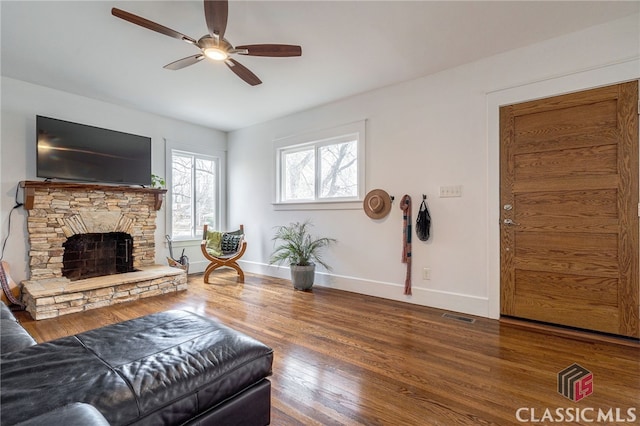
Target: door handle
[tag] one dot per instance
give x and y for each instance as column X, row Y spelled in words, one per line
column 510, row 222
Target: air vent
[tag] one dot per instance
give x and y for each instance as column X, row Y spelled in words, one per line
column 459, row 318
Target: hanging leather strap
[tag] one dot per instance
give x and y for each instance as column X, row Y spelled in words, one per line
column 405, row 206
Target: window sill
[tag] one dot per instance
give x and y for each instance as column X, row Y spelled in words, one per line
column 337, row 205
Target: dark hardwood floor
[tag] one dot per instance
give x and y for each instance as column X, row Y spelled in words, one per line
column 348, row 359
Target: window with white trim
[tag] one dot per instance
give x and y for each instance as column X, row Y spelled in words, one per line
column 321, row 167
column 195, row 186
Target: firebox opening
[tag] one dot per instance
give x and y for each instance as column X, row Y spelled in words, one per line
column 97, row 254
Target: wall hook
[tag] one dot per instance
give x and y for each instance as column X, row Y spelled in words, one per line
column 424, row 197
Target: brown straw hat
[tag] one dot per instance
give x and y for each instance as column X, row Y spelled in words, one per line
column 377, row 204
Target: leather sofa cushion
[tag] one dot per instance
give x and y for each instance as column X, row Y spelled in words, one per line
column 172, row 354
column 158, row 369
column 76, row 414
column 12, row 336
column 44, row 377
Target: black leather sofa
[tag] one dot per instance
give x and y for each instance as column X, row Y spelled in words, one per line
column 169, row 368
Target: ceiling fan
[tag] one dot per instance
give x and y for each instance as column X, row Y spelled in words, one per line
column 213, row 45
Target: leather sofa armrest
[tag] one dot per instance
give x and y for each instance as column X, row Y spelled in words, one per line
column 13, row 337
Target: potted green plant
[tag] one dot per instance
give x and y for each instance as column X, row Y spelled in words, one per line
column 294, row 244
column 157, row 181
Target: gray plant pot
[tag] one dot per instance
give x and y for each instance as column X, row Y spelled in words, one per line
column 302, row 276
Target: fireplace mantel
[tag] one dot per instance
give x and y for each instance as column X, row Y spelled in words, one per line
column 30, row 186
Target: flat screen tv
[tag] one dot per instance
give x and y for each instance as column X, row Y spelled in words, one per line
column 78, row 152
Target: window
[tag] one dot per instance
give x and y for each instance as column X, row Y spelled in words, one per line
column 322, row 167
column 195, row 185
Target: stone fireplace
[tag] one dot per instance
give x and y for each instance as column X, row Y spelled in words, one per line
column 92, row 246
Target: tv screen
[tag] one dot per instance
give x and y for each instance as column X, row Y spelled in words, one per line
column 79, row 152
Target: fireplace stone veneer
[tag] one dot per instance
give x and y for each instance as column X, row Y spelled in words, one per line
column 58, row 211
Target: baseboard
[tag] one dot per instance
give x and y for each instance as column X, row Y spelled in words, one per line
column 463, row 303
column 198, row 266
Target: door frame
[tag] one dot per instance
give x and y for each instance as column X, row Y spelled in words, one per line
column 578, row 81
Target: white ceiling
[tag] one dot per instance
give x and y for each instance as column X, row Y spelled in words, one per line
column 348, row 47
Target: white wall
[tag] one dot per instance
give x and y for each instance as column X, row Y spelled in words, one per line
column 21, row 102
column 422, row 134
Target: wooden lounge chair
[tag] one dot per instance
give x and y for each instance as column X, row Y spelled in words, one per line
column 223, row 249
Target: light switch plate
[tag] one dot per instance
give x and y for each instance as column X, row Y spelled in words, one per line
column 451, row 191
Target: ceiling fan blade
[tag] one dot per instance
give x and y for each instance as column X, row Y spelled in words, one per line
column 216, row 13
column 243, row 72
column 273, row 50
column 184, row 62
column 135, row 19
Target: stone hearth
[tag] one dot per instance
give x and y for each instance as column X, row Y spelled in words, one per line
column 58, row 211
column 59, row 296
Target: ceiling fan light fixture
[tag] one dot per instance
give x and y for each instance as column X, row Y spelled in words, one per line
column 213, row 45
column 216, row 54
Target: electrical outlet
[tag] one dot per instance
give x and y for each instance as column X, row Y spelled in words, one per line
column 426, row 274
column 451, row 191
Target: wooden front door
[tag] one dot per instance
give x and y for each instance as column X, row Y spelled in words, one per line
column 569, row 210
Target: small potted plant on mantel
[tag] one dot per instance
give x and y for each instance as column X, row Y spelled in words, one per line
column 157, row 181
column 295, row 245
